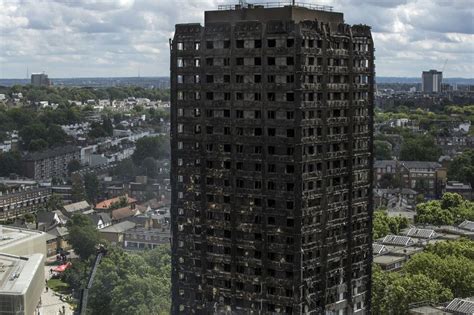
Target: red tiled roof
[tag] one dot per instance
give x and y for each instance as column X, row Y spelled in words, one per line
column 106, row 204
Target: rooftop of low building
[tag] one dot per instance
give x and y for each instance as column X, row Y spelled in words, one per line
column 41, row 155
column 119, row 227
column 10, row 236
column 17, row 272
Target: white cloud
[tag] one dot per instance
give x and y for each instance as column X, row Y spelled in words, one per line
column 68, row 38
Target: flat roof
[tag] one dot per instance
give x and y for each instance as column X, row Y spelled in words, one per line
column 150, row 232
column 119, row 227
column 17, row 272
column 406, row 250
column 427, row 309
column 279, row 13
column 388, row 259
column 9, row 236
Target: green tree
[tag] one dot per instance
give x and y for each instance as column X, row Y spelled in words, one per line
column 122, row 202
column 107, row 126
column 384, row 225
column 91, row 184
column 56, row 135
column 32, row 132
column 149, row 166
column 97, row 131
column 125, row 168
column 76, row 276
column 407, row 289
column 451, row 209
column 461, row 247
column 383, row 150
column 132, row 283
column 392, row 293
column 55, row 202
column 388, row 180
column 83, row 235
column 455, row 273
column 419, row 148
column 21, row 117
column 451, row 200
column 73, row 166
column 461, row 167
column 431, row 213
column 10, row 163
column 157, row 147
column 29, row 217
column 380, row 225
column 78, row 192
column 38, row 145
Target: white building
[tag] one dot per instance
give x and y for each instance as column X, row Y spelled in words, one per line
column 21, row 283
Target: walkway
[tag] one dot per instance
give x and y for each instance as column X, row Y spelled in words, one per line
column 51, row 304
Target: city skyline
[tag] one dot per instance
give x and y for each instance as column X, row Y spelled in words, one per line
column 130, row 38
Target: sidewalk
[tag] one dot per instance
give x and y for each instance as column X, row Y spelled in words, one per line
column 51, row 304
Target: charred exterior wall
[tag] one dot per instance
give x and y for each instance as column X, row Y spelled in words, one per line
column 271, row 167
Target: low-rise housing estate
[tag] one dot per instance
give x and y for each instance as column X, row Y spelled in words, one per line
column 50, row 163
column 141, row 238
column 426, row 177
column 17, row 202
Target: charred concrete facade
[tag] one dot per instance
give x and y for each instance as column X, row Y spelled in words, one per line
column 272, row 115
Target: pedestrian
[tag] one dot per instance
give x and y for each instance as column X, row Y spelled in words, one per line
column 64, row 310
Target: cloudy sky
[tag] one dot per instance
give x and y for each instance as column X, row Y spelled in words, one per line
column 85, row 38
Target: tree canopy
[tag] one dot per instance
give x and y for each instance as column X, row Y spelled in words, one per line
column 36, row 137
column 91, row 187
column 451, row 209
column 157, row 147
column 419, row 148
column 10, row 162
column 83, row 235
column 443, row 271
column 383, row 150
column 461, row 167
column 77, row 192
column 384, row 225
column 61, row 95
column 134, row 284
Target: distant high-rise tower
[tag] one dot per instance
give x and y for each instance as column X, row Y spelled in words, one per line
column 40, row 79
column 272, row 158
column 431, row 81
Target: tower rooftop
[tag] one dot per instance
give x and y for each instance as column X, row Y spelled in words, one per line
column 272, row 11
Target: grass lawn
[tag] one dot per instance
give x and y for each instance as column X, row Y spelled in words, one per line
column 58, row 286
column 54, row 263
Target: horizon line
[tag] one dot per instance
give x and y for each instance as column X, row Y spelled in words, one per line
column 144, row 77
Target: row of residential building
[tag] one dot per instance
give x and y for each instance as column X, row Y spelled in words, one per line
column 419, row 177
